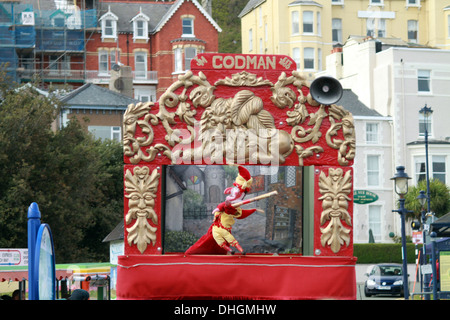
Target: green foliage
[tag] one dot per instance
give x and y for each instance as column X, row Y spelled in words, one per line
column 75, row 179
column 192, row 200
column 383, row 252
column 225, row 13
column 439, row 193
column 178, row 241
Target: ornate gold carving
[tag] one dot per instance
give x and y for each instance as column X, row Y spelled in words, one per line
column 243, row 78
column 243, row 115
column 131, row 143
column 141, row 188
column 335, row 189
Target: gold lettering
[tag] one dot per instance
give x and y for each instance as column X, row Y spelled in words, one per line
column 228, row 62
column 240, row 59
column 215, row 65
column 270, row 63
column 261, row 64
column 251, row 60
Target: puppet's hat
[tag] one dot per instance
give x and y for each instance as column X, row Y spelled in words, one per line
column 243, row 180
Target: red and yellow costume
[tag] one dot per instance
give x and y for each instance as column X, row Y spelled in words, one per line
column 218, row 238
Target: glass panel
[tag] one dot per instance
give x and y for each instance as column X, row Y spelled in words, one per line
column 188, row 213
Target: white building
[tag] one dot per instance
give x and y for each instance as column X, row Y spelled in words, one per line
column 397, row 81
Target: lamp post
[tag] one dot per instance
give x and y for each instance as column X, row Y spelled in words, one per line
column 426, row 112
column 401, row 188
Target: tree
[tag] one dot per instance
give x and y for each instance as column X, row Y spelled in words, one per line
column 76, row 180
column 440, row 198
column 225, row 13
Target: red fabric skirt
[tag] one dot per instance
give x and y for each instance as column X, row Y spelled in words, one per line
column 173, row 276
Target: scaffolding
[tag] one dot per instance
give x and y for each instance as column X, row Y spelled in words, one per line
column 49, row 44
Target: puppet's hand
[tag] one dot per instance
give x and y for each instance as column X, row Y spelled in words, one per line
column 228, row 208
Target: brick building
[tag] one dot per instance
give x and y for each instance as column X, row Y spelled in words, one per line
column 156, row 39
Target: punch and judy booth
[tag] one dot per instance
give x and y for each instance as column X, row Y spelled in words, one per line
column 255, row 111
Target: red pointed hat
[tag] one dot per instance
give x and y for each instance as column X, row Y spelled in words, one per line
column 243, row 180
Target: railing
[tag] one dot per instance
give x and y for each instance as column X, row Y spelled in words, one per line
column 89, row 75
column 197, row 214
column 138, row 76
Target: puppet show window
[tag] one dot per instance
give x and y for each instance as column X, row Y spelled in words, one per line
column 193, row 192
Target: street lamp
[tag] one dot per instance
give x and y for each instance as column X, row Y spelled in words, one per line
column 401, row 188
column 426, row 113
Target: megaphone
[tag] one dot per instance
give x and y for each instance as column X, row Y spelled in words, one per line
column 326, row 90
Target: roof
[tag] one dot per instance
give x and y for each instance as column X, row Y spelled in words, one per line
column 250, row 6
column 116, row 234
column 350, row 102
column 91, row 96
column 442, row 226
column 158, row 12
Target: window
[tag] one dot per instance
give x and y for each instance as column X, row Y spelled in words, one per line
column 448, row 26
column 370, row 26
column 53, row 64
column 423, row 80
column 336, row 30
column 381, row 28
column 109, row 25
column 375, row 221
column 308, row 58
column 296, row 57
column 266, row 33
column 250, row 40
column 373, row 170
column 178, row 60
column 376, row 2
column 188, row 27
column 412, row 31
column 412, row 2
column 140, row 26
column 106, row 132
column 140, row 65
column 436, row 167
column 261, row 46
column 295, row 22
column 189, row 54
column 372, row 133
column 103, row 66
column 425, row 124
column 308, row 22
column 184, row 63
column 319, row 59
column 319, row 27
column 109, row 28
column 106, row 60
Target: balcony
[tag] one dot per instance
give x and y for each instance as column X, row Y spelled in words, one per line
column 139, row 77
column 51, row 75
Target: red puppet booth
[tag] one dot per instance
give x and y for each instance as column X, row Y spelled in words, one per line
column 243, row 111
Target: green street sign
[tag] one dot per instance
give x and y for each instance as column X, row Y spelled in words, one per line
column 364, row 197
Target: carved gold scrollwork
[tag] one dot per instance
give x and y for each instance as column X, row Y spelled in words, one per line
column 141, row 189
column 335, row 189
column 223, row 119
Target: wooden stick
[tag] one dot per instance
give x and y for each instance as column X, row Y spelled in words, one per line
column 263, row 196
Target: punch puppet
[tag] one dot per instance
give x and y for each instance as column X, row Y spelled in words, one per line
column 218, row 239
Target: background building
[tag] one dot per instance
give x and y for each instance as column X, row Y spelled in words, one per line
column 397, row 81
column 308, row 30
column 69, row 43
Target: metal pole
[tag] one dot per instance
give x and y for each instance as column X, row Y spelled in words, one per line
column 402, row 212
column 433, row 264
column 34, row 222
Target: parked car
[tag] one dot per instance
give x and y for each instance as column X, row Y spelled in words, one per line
column 384, row 278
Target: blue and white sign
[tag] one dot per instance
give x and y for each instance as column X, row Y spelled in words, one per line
column 45, row 264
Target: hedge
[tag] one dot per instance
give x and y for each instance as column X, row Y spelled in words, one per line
column 383, row 252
